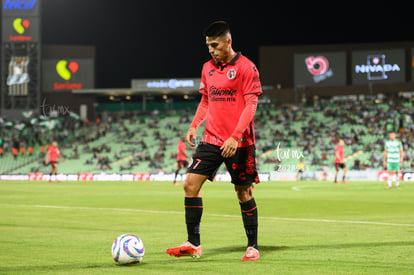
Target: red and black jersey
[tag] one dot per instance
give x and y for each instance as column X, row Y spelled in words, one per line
column 226, row 85
column 53, row 153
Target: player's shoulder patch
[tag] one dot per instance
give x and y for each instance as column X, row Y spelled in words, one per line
column 248, row 66
column 202, row 87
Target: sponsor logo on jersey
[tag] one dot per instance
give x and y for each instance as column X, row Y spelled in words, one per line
column 221, row 94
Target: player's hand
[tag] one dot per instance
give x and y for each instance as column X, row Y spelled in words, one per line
column 384, row 164
column 191, row 134
column 229, row 147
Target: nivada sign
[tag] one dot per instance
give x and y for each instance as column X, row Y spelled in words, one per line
column 320, row 69
column 379, row 66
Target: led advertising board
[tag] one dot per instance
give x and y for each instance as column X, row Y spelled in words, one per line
column 68, row 74
column 20, row 29
column 20, row 7
column 320, row 69
column 172, row 84
column 378, row 66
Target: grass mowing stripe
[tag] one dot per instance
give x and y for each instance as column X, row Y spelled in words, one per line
column 207, row 214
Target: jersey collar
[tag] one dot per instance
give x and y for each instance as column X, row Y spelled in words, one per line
column 231, row 62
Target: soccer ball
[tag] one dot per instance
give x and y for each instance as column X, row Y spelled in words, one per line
column 128, row 249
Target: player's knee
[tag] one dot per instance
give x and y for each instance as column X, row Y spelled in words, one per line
column 192, row 185
column 187, row 186
column 244, row 193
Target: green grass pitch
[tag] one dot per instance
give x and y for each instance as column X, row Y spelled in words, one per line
column 304, row 228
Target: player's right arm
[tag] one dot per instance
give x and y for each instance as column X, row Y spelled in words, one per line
column 199, row 117
column 385, row 158
column 202, row 109
column 47, row 157
column 61, row 157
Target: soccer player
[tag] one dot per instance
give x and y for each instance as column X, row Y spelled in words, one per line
column 301, row 167
column 230, row 86
column 340, row 161
column 52, row 158
column 393, row 156
column 181, row 158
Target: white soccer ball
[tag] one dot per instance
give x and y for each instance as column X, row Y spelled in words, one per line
column 128, row 249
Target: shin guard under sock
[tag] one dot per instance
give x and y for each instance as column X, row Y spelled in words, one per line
column 193, row 213
column 249, row 215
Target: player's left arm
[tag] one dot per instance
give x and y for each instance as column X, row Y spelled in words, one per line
column 247, row 115
column 343, row 158
column 229, row 147
column 401, row 155
column 251, row 91
column 61, row 157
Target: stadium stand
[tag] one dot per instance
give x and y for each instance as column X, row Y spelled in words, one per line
column 135, row 142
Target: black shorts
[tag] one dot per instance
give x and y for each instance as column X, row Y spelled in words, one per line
column 207, row 159
column 339, row 165
column 53, row 163
column 182, row 163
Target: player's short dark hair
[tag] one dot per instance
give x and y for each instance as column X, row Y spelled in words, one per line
column 217, row 28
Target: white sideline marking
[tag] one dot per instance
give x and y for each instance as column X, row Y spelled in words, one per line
column 212, row 215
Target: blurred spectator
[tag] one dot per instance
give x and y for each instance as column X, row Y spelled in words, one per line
column 356, row 165
column 16, row 146
column 1, row 147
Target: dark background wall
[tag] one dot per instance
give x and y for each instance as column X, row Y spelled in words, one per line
column 277, row 66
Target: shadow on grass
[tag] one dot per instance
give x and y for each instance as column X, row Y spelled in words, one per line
column 352, row 245
column 75, row 268
column 272, row 248
column 242, row 249
column 265, row 249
